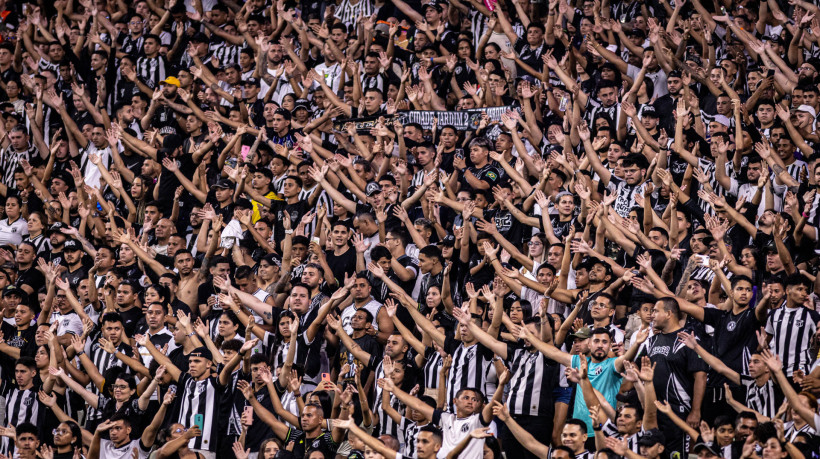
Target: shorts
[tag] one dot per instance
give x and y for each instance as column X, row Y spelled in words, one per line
column 562, row 394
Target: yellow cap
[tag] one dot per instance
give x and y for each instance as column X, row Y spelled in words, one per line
column 171, row 80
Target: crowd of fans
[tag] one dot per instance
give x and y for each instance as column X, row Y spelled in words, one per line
column 247, row 230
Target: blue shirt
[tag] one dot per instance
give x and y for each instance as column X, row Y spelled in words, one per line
column 605, row 379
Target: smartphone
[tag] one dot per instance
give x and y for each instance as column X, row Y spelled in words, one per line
column 248, row 411
column 217, row 306
column 245, row 150
column 770, row 73
column 460, row 154
column 326, row 377
column 199, row 421
column 315, row 239
column 704, row 260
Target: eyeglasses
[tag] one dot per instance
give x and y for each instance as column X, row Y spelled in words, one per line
column 60, row 432
column 180, row 430
column 534, row 243
column 121, row 386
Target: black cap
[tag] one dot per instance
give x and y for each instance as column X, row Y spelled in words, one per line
column 301, row 103
column 55, row 228
column 651, row 438
column 200, row 37
column 649, row 111
column 448, row 241
column 251, row 81
column 432, row 5
column 203, row 352
column 273, row 259
column 372, row 188
column 224, row 183
column 14, row 290
column 674, row 74
column 636, row 33
column 708, row 448
column 72, row 245
column 64, row 176
column 171, row 142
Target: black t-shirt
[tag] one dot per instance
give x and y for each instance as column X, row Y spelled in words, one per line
column 323, row 442
column 341, row 264
column 735, row 339
column 675, row 369
column 130, row 318
column 34, row 279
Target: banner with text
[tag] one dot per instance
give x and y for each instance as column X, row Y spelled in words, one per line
column 464, row 120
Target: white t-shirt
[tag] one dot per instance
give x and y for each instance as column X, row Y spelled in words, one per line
column 109, row 451
column 372, row 306
column 69, row 323
column 454, row 430
column 13, row 233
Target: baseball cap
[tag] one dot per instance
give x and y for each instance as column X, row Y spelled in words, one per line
column 251, row 81
column 649, row 112
column 301, row 103
column 808, row 109
column 55, row 228
column 434, row 5
column 14, row 290
column 448, row 241
column 707, row 447
column 224, row 183
column 171, row 142
column 372, row 188
column 174, row 81
column 583, row 333
column 651, row 438
column 722, row 119
column 203, row 352
column 71, row 245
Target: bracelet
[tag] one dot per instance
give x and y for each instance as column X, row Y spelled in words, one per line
column 80, row 353
column 805, row 215
column 191, row 334
column 289, row 231
column 598, row 427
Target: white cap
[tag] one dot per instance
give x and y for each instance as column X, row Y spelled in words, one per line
column 722, row 119
column 808, row 109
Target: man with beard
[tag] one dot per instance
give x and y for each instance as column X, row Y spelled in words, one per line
column 634, row 168
column 362, row 299
column 790, row 329
column 604, row 371
column 735, row 334
column 680, row 375
column 531, row 372
column 359, row 345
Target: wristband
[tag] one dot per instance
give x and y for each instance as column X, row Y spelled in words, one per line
column 192, row 334
column 598, row 427
column 805, row 215
column 80, row 353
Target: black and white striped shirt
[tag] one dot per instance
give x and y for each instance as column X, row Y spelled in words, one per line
column 200, row 400
column 611, row 430
column 791, row 330
column 10, row 159
column 103, row 361
column 227, row 54
column 533, row 378
column 432, row 367
column 765, row 399
column 151, row 70
column 349, row 10
column 21, row 406
column 469, row 365
column 409, row 431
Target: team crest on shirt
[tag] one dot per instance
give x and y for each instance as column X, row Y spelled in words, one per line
column 465, row 428
column 799, row 323
column 731, row 326
column 492, row 175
